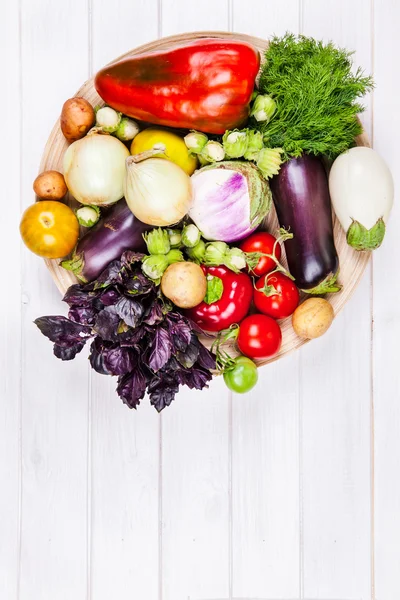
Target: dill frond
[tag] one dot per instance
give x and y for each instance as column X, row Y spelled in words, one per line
column 316, row 94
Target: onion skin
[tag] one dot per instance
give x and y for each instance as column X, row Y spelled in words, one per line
column 118, row 231
column 301, row 196
column 157, row 191
column 94, row 169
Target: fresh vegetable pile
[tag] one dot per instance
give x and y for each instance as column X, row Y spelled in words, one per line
column 174, row 177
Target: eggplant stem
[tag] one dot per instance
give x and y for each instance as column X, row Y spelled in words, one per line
column 75, row 264
column 328, row 286
column 364, row 240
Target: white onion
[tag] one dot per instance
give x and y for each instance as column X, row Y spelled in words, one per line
column 157, row 191
column 94, row 169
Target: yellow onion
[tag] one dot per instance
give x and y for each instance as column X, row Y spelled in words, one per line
column 94, row 169
column 157, row 191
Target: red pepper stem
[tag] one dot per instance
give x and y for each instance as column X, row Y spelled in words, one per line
column 136, row 158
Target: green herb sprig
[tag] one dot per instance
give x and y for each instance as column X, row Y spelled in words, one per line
column 316, row 94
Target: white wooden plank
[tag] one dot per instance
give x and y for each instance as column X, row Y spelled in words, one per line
column 178, row 16
column 336, row 510
column 265, row 428
column 265, row 485
column 266, row 19
column 54, row 395
column 386, row 314
column 195, row 503
column 125, row 508
column 124, row 444
column 52, row 491
column 335, row 395
column 120, row 26
column 195, row 434
column 10, row 309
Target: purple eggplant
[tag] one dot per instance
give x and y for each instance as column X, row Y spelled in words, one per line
column 118, row 231
column 301, row 197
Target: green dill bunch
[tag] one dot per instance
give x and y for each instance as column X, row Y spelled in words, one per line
column 316, row 94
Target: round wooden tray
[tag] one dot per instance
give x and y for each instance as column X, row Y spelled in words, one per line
column 352, row 263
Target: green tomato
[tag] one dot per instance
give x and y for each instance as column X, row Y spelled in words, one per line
column 243, row 377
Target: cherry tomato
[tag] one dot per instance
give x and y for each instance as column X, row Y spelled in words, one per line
column 259, row 336
column 262, row 242
column 243, row 377
column 278, row 305
column 49, row 229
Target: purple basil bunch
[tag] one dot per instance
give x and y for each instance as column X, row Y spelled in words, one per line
column 135, row 333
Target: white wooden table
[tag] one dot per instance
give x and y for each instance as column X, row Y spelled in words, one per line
column 290, row 492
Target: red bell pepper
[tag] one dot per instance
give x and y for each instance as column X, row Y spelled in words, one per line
column 233, row 301
column 205, row 85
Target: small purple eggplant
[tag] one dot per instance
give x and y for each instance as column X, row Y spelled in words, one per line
column 301, row 197
column 118, row 231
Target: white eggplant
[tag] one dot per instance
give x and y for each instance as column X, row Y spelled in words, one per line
column 361, row 189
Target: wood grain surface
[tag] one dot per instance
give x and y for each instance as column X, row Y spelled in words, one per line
column 290, row 492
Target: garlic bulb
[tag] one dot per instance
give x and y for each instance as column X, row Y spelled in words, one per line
column 94, row 169
column 157, row 191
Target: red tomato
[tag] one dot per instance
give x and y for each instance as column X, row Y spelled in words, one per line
column 278, row 305
column 262, row 242
column 259, row 337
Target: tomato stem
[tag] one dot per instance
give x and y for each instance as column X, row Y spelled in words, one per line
column 223, row 360
column 267, row 289
column 252, row 259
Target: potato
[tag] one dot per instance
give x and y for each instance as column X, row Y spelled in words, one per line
column 312, row 318
column 77, row 117
column 185, row 284
column 50, row 185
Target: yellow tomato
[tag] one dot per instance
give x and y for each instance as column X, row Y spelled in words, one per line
column 49, row 229
column 175, row 147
